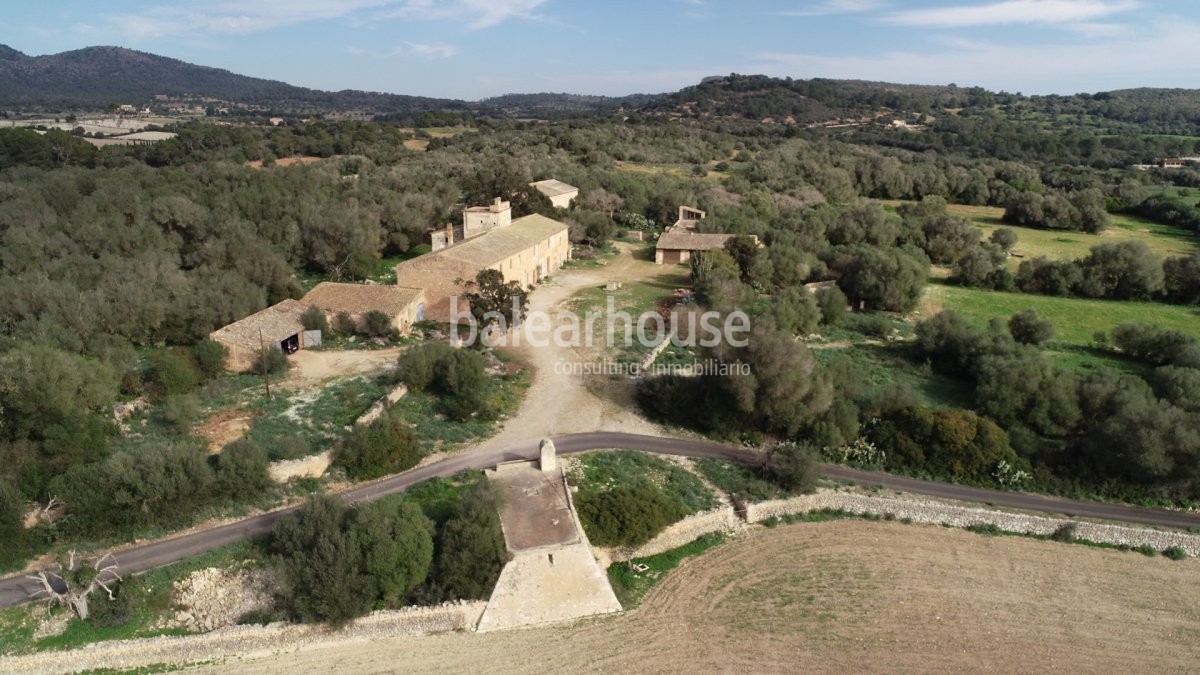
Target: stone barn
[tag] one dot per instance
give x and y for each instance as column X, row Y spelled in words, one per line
column 679, row 242
column 559, row 193
column 404, row 306
column 526, row 251
column 277, row 326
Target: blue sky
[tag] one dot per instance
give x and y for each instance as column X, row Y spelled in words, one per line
column 477, row 48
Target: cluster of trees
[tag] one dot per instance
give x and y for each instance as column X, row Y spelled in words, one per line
column 159, row 483
column 1107, row 430
column 1126, row 270
column 947, row 443
column 1054, row 210
column 458, row 376
column 384, row 446
column 334, row 562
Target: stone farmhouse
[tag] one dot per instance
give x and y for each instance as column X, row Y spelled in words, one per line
column 276, row 326
column 404, row 306
column 678, row 242
column 559, row 193
column 524, row 250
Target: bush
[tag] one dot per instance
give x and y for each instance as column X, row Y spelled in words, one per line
column 173, row 372
column 334, row 563
column 385, row 446
column 459, row 375
column 210, row 357
column 954, row 443
column 1153, row 345
column 181, row 410
column 471, row 548
column 626, row 516
column 314, row 319
column 117, row 612
column 833, row 304
column 377, row 324
column 1065, row 533
column 1175, row 553
column 1028, row 327
column 276, row 362
column 795, row 468
column 1004, row 237
column 242, row 469
column 344, row 324
column 417, row 367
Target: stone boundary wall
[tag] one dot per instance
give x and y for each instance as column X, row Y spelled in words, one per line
column 722, row 519
column 313, row 466
column 377, row 408
column 247, row 640
column 929, row 511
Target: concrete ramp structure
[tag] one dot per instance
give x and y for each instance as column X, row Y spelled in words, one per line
column 553, row 575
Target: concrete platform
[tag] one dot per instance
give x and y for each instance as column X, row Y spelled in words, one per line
column 553, row 575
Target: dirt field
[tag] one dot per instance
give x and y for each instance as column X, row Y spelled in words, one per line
column 309, row 367
column 846, row 595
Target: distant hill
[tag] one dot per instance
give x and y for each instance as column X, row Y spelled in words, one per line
column 96, row 77
column 549, row 102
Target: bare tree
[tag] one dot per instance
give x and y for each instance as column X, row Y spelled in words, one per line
column 74, row 581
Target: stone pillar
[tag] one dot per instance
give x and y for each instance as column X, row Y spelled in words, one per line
column 547, row 461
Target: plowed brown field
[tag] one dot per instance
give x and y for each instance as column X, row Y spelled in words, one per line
column 848, row 595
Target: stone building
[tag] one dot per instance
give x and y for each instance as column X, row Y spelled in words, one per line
column 523, row 250
column 679, row 242
column 559, row 193
column 277, row 326
column 404, row 306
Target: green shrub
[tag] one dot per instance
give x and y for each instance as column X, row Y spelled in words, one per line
column 114, row 613
column 626, row 516
column 275, row 361
column 333, row 562
column 210, row 357
column 344, row 324
column 471, row 548
column 242, row 470
column 1028, row 327
column 173, row 372
column 417, row 367
column 1146, row 550
column 288, row 445
column 987, row 529
column 833, row 304
column 181, row 410
column 377, row 324
column 1175, row 553
column 385, row 446
column 794, row 467
column 314, row 319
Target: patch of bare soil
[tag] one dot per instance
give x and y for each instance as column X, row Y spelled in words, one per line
column 417, row 144
column 224, row 428
column 846, row 595
column 309, row 367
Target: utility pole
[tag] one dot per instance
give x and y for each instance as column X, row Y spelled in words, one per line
column 262, row 348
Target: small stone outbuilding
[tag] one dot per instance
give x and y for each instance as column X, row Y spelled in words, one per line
column 404, row 306
column 559, row 193
column 277, row 326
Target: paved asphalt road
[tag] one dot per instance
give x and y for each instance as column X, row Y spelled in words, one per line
column 15, row 590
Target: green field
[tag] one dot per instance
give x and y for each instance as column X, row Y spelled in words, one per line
column 1189, row 195
column 1067, row 245
column 1075, row 320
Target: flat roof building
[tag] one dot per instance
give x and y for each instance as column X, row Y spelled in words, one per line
column 559, row 193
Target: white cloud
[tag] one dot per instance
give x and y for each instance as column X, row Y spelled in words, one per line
column 1163, row 56
column 232, row 17
column 475, row 13
column 829, row 7
column 1011, row 11
column 432, row 50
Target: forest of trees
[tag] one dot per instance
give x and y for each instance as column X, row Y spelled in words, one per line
column 115, row 263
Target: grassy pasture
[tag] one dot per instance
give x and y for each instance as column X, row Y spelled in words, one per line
column 1075, row 320
column 1067, row 245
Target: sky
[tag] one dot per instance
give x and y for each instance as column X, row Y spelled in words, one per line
column 472, row 49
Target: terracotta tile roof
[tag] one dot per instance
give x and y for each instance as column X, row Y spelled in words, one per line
column 361, row 298
column 279, row 321
column 497, row 245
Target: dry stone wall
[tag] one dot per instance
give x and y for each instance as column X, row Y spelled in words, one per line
column 929, row 511
column 237, row 641
column 304, row 467
column 683, row 532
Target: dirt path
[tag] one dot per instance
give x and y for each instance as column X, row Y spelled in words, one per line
column 847, row 595
column 558, row 403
